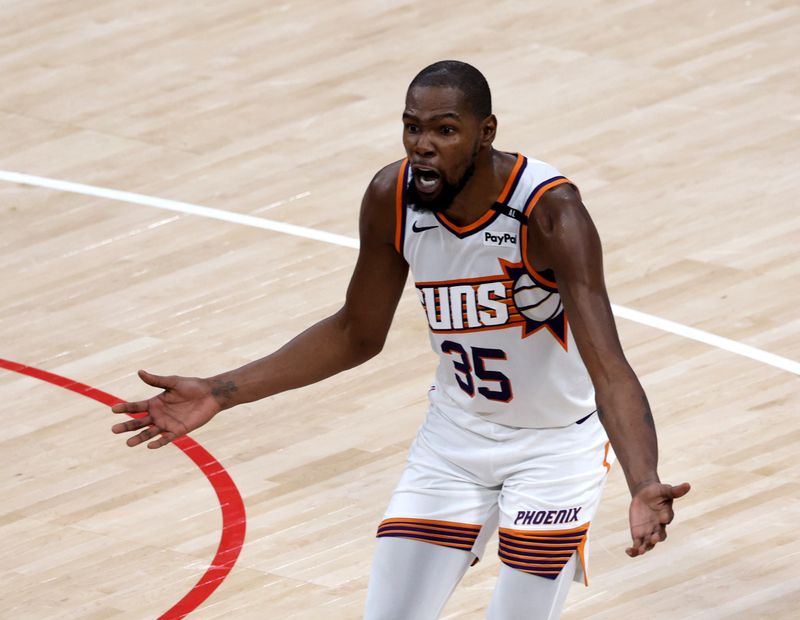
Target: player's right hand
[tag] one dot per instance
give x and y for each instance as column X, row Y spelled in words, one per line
column 650, row 513
column 185, row 404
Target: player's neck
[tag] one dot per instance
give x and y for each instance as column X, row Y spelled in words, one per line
column 481, row 191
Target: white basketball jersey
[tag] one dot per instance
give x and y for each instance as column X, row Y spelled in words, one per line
column 506, row 350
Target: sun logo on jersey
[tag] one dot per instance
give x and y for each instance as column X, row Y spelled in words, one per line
column 513, row 298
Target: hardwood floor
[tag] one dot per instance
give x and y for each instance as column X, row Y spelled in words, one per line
column 679, row 122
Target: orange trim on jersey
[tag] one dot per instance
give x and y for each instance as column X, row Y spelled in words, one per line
column 511, row 178
column 540, row 192
column 540, row 537
column 545, row 533
column 437, row 529
column 515, row 318
column 520, row 322
column 469, row 227
column 400, row 207
column 506, row 265
column 491, row 212
column 553, row 543
column 530, row 269
column 471, row 526
column 528, row 210
column 553, row 551
column 582, row 558
column 606, row 464
column 444, row 533
column 539, row 277
column 463, row 539
column 481, row 280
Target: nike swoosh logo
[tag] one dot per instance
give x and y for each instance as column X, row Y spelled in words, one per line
column 415, row 228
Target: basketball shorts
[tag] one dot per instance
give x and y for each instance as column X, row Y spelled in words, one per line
column 466, row 475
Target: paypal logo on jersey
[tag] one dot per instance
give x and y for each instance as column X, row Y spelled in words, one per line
column 503, row 240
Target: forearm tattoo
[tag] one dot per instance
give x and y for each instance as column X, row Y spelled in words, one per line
column 223, row 390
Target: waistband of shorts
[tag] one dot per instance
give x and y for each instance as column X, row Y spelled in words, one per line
column 484, row 425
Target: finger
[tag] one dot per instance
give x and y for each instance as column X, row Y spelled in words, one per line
column 148, row 433
column 678, row 491
column 166, row 383
column 131, row 425
column 133, row 441
column 653, row 538
column 165, row 439
column 633, row 551
column 636, row 547
column 130, row 407
column 657, row 537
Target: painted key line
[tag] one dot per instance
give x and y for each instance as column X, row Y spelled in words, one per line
column 234, row 518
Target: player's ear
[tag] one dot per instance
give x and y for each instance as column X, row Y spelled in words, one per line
column 488, row 130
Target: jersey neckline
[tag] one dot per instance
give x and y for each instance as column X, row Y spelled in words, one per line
column 491, row 214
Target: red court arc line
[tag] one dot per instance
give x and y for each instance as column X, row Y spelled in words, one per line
column 234, row 520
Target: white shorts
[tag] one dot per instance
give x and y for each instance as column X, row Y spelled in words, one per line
column 466, row 475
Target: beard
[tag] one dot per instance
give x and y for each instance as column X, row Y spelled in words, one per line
column 442, row 201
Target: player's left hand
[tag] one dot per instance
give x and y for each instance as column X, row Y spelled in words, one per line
column 650, row 513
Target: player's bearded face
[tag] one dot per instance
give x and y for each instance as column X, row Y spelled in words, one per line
column 445, row 194
column 442, row 139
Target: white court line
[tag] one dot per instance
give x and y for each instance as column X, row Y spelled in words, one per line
column 180, row 207
column 699, row 335
column 665, row 325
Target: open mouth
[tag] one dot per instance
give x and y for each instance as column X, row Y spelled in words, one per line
column 427, row 180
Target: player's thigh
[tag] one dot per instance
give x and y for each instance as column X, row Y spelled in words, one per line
column 522, row 596
column 412, row 579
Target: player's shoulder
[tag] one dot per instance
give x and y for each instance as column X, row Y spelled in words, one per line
column 379, row 207
column 383, row 186
column 541, row 170
column 553, row 194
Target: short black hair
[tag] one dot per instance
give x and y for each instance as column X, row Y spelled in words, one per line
column 464, row 77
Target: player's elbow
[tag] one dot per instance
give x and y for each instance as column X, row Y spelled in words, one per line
column 362, row 345
column 363, row 340
column 623, row 393
column 367, row 347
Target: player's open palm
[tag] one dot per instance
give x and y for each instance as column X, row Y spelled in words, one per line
column 650, row 513
column 185, row 404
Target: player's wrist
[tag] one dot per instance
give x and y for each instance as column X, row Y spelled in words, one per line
column 641, row 484
column 224, row 391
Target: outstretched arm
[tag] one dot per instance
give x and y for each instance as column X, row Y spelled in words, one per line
column 343, row 340
column 349, row 337
column 563, row 238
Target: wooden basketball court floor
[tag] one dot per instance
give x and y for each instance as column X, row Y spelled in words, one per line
column 679, row 121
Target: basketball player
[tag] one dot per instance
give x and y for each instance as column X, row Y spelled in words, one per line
column 532, row 381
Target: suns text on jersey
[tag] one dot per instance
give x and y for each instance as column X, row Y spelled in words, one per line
column 489, row 302
column 459, row 306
